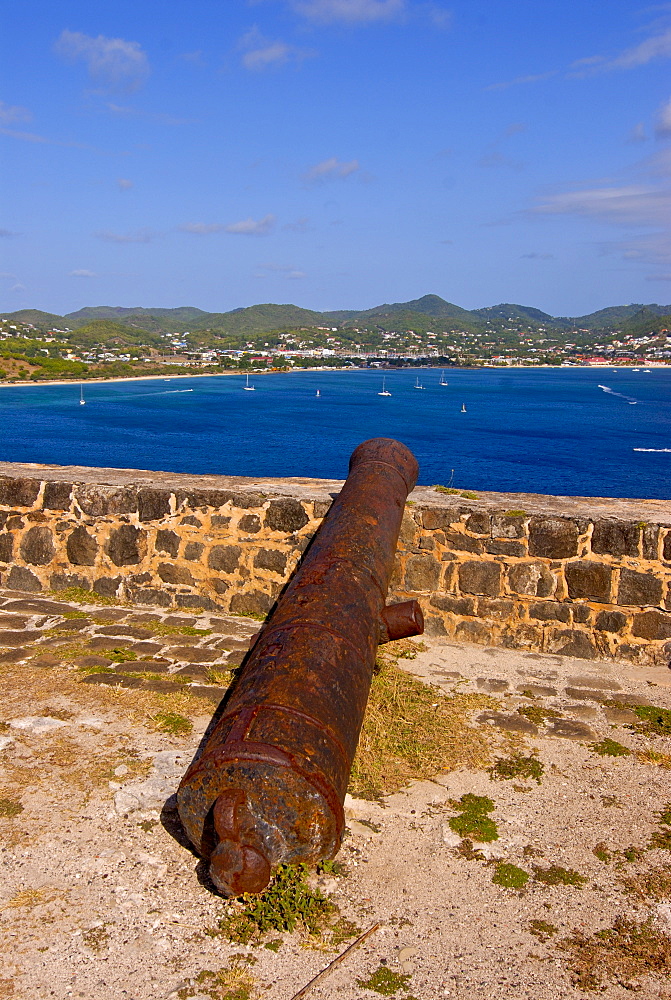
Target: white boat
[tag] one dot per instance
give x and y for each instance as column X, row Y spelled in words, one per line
column 318, row 393
column 417, row 383
column 385, row 391
column 463, row 407
column 82, row 401
column 247, row 386
column 443, row 380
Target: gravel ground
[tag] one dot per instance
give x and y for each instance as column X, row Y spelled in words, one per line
column 100, row 898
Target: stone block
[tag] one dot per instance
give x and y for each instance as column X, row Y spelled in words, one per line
column 18, row 492
column 582, row 614
column 219, row 521
column 101, row 501
column 499, row 610
column 125, row 545
column 531, row 579
column 589, row 580
column 615, row 538
column 224, row 558
column 427, row 543
column 57, row 496
column 610, row 621
column 81, row 547
column 203, row 498
column 193, row 551
column 218, row 585
column 652, row 625
column 434, row 625
column 474, row 632
column 438, row 517
column 651, row 541
column 250, row 523
column 170, row 573
column 246, row 500
column 482, row 578
column 196, row 601
column 463, row 543
column 666, row 549
column 505, row 547
column 194, row 521
column 167, row 541
column 509, row 723
column 272, row 559
column 571, row 642
column 522, row 636
column 152, row 505
column 550, row 611
column 253, row 603
column 37, row 546
column 509, row 526
column 107, row 586
column 454, row 605
column 20, row 578
column 479, row 523
column 568, row 729
column 62, row 581
column 553, row 538
column 286, row 515
column 321, row 508
column 422, row 573
column 6, row 547
column 638, row 588
column 149, row 596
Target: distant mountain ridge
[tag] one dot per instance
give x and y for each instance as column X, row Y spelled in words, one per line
column 420, row 314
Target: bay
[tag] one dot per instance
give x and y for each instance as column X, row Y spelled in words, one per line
column 572, row 431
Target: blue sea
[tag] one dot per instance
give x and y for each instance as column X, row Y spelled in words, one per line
column 575, row 431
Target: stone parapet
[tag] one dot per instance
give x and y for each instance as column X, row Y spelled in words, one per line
column 578, row 576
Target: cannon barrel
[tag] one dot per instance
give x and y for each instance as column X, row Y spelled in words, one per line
column 270, row 782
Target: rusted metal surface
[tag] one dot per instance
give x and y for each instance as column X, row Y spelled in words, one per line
column 270, row 783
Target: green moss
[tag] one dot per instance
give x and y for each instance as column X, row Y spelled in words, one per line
column 652, row 884
column 554, row 875
column 10, row 808
column 510, row 876
column 654, row 720
column 171, row 722
column 81, row 596
column 473, row 821
column 542, row 929
column 537, row 714
column 515, row 513
column 662, row 838
column 274, row 945
column 610, row 748
column 121, row 655
column 468, row 495
column 618, row 954
column 517, row 766
column 164, row 628
column 384, row 981
column 602, row 853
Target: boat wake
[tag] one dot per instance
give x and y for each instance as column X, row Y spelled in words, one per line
column 630, row 400
column 659, row 450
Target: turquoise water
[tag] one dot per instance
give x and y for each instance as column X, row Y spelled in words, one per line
column 524, row 430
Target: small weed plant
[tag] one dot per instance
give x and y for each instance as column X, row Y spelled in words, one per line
column 510, row 876
column 506, row 768
column 9, row 808
column 385, row 982
column 172, row 723
column 555, row 875
column 619, row 954
column 473, row 821
column 542, row 930
column 610, row 748
column 653, row 721
column 537, row 714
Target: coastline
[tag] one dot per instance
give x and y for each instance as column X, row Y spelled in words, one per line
column 468, row 368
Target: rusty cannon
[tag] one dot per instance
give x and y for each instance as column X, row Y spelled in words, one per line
column 270, row 782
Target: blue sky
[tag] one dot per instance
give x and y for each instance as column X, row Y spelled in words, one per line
column 335, row 153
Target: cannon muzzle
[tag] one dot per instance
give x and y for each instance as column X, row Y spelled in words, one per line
column 269, row 785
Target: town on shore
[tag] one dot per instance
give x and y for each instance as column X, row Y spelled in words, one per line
column 116, row 342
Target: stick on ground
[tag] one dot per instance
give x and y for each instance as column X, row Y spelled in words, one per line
column 336, row 961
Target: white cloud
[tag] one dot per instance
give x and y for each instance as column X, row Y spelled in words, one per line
column 18, row 287
column 655, row 47
column 124, row 184
column 299, row 226
column 664, row 119
column 637, row 134
column 252, row 227
column 140, row 236
column 160, row 117
column 13, row 113
column 636, row 205
column 264, row 53
column 349, row 11
column 287, row 271
column 246, row 227
column 82, row 272
column 329, row 169
column 7, row 234
column 537, row 256
column 113, row 63
column 533, row 78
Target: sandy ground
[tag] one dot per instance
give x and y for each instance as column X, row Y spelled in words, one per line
column 100, row 898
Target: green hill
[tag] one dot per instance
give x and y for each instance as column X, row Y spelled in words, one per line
column 37, row 318
column 103, row 332
column 508, row 311
column 152, row 320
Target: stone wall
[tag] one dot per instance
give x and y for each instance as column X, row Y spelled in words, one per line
column 577, row 576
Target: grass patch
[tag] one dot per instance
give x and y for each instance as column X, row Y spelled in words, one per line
column 172, row 723
column 620, row 954
column 655, row 883
column 289, row 903
column 74, row 614
column 473, row 822
column 164, row 628
column 121, row 655
column 9, row 808
column 456, row 493
column 662, row 838
column 515, row 513
column 654, row 721
column 96, row 938
column 554, row 875
column 510, row 876
column 610, row 748
column 506, row 768
column 232, row 982
column 537, row 714
column 385, row 982
column 653, row 757
column 81, row 596
column 542, row 930
column 411, row 731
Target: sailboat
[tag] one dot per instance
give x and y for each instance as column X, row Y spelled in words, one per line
column 82, row 401
column 318, row 393
column 385, row 391
column 443, row 380
column 417, row 385
column 248, row 387
column 463, row 407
